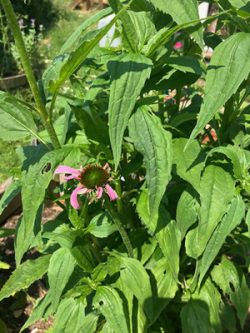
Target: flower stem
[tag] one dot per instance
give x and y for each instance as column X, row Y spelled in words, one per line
column 122, row 231
column 10, row 14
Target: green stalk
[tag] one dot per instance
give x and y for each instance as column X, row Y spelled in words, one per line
column 10, row 14
column 122, row 231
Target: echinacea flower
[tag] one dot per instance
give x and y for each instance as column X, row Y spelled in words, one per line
column 93, row 182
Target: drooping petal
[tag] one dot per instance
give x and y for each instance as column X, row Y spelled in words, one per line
column 111, row 193
column 68, row 170
column 73, row 198
column 99, row 192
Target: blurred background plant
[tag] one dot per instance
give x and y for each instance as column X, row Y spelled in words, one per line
column 46, row 24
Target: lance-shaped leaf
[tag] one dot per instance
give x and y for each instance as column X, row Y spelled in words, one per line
column 189, row 163
column 164, row 284
column 186, row 213
column 78, row 56
column 135, row 276
column 42, row 310
column 70, row 317
column 230, row 221
column 182, row 12
column 224, row 76
column 35, row 182
column 25, row 275
column 61, row 267
column 169, row 238
column 241, row 4
column 233, row 283
column 155, row 144
column 110, row 304
column 93, row 19
column 248, row 221
column 16, row 119
column 10, row 193
column 128, row 75
column 216, row 191
column 210, row 296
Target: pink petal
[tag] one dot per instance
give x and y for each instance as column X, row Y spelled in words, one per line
column 99, row 192
column 73, row 198
column 84, row 191
column 111, row 193
column 68, row 170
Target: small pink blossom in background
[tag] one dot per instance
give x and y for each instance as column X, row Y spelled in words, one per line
column 178, row 45
column 93, row 181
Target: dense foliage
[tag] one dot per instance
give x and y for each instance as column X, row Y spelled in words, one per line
column 171, row 253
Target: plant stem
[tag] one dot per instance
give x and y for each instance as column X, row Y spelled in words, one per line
column 122, row 231
column 10, row 14
column 84, row 212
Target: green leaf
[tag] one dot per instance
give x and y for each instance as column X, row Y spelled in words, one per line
column 248, row 221
column 195, row 317
column 109, row 303
column 25, row 275
column 186, row 213
column 134, row 275
column 224, row 76
column 77, row 57
column 162, row 37
column 42, row 311
column 186, row 64
column 4, row 265
column 216, row 191
column 76, row 243
column 16, row 119
column 3, row 327
column 128, row 75
column 21, row 241
column 6, row 232
column 89, row 323
column 35, row 182
column 138, row 29
column 165, row 286
column 211, row 297
column 234, row 154
column 93, row 19
column 241, row 4
column 10, row 193
column 182, row 12
column 189, row 163
column 101, row 226
column 69, row 316
column 155, row 144
column 61, row 267
column 169, row 238
column 142, row 209
column 233, row 283
column 230, row 221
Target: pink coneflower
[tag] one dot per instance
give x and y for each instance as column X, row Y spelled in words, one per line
column 93, row 182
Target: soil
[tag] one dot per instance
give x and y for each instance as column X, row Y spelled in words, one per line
column 15, row 310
